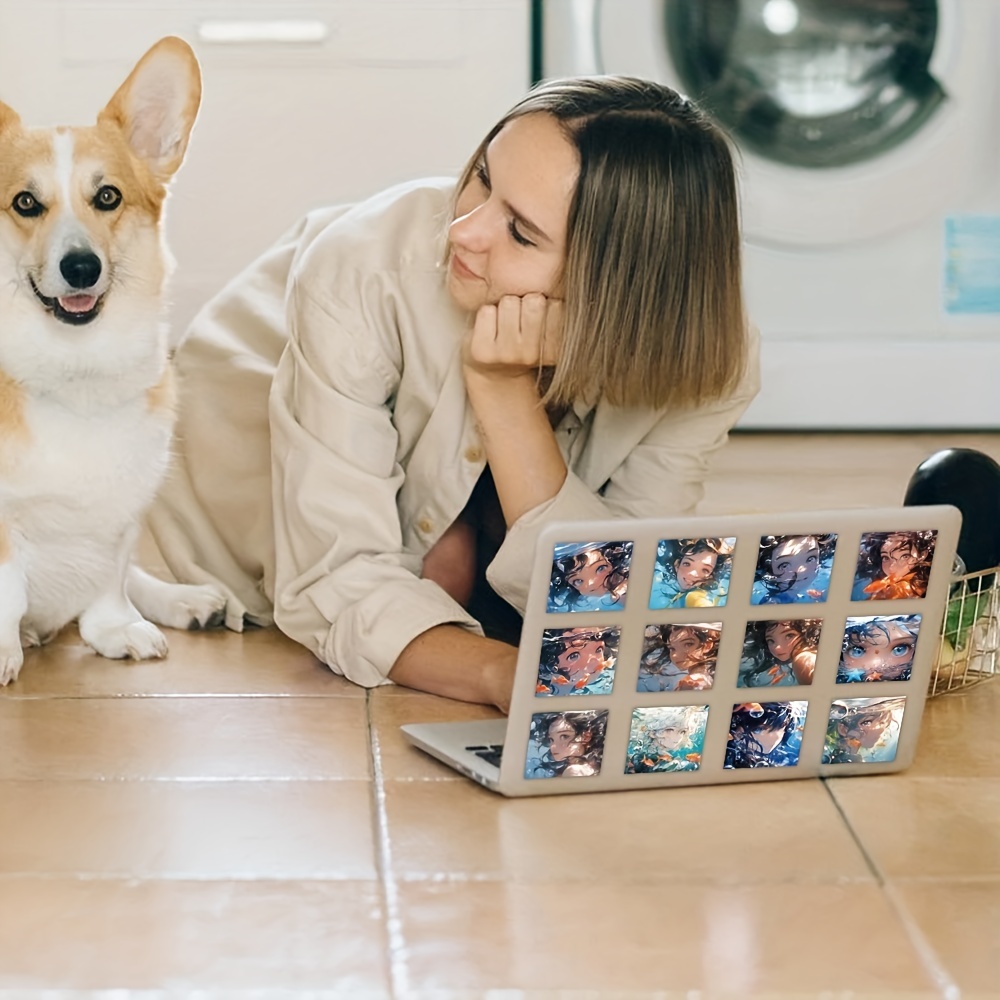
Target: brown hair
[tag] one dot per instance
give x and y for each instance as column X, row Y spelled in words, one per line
column 653, row 300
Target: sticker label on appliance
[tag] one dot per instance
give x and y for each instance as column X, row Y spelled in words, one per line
column 972, row 264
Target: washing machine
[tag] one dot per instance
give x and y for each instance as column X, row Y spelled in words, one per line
column 868, row 138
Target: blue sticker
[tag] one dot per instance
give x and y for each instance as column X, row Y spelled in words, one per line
column 972, row 264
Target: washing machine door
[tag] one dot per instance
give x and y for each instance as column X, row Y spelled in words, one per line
column 856, row 118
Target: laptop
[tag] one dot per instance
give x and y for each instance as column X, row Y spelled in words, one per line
column 704, row 650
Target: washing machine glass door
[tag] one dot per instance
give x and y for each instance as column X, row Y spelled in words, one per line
column 810, row 83
column 856, row 118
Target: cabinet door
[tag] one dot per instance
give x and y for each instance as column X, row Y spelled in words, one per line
column 304, row 103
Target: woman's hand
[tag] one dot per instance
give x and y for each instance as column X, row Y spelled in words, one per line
column 517, row 336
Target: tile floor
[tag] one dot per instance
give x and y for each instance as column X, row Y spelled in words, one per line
column 235, row 821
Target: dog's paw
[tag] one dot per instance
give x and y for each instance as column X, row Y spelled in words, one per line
column 197, row 607
column 11, row 660
column 31, row 637
column 177, row 605
column 140, row 640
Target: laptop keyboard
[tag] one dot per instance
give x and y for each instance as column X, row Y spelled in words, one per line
column 491, row 754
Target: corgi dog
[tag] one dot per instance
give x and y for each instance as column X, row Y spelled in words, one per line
column 86, row 390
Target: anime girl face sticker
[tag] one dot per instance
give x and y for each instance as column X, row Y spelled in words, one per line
column 692, row 573
column 589, row 576
column 893, row 565
column 679, row 657
column 793, row 569
column 863, row 730
column 666, row 739
column 878, row 649
column 577, row 661
column 566, row 744
column 767, row 734
column 779, row 653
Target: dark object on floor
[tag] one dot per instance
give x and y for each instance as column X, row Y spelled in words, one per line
column 969, row 480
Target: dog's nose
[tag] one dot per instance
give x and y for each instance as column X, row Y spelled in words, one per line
column 80, row 268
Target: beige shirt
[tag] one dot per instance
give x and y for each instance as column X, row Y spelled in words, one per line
column 325, row 440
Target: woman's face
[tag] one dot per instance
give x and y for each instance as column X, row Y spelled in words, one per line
column 887, row 652
column 868, row 729
column 781, row 641
column 509, row 232
column 898, row 557
column 669, row 738
column 592, row 576
column 685, row 649
column 695, row 568
column 582, row 654
column 768, row 738
column 795, row 562
column 564, row 742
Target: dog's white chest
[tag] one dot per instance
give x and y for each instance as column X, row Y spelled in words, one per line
column 84, row 471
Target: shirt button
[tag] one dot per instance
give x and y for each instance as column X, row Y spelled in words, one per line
column 426, row 525
column 474, row 454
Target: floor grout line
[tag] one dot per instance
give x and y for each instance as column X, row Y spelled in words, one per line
column 398, row 972
column 933, row 966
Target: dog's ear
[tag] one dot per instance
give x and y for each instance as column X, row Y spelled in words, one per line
column 156, row 106
column 8, row 117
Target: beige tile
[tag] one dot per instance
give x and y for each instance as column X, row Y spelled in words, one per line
column 958, row 734
column 182, row 737
column 87, row 935
column 960, row 922
column 738, row 941
column 252, row 829
column 771, row 472
column 400, row 759
column 925, row 827
column 258, row 661
column 778, row 831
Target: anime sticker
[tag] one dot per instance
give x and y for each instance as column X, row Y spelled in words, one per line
column 863, row 730
column 679, row 657
column 879, row 648
column 793, row 569
column 566, row 744
column 577, row 661
column 692, row 573
column 766, row 734
column 779, row 653
column 666, row 739
column 893, row 565
column 589, row 576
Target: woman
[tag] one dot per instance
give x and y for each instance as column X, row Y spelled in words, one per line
column 894, row 565
column 577, row 661
column 589, row 576
column 666, row 739
column 863, row 730
column 566, row 745
column 767, row 734
column 679, row 657
column 448, row 367
column 793, row 569
column 878, row 649
column 692, row 573
column 779, row 653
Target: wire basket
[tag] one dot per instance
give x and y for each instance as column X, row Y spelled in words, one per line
column 968, row 648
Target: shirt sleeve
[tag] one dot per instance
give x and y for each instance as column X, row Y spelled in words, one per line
column 662, row 476
column 344, row 585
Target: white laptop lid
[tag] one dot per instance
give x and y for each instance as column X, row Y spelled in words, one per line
column 714, row 649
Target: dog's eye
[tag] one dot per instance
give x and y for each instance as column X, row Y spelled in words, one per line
column 107, row 199
column 26, row 204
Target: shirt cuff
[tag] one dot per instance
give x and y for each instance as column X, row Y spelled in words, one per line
column 368, row 637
